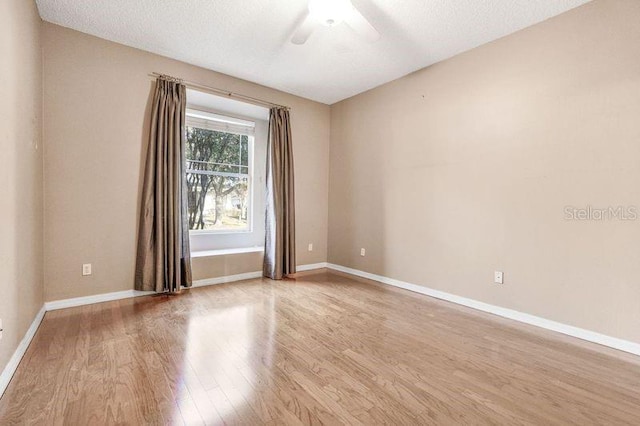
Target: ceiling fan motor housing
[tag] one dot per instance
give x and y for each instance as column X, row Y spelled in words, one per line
column 330, row 12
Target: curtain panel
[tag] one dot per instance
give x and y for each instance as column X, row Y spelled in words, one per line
column 163, row 261
column 280, row 241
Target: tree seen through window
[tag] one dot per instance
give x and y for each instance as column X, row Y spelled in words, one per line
column 217, row 179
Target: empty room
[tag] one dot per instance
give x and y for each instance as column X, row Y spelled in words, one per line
column 304, row 212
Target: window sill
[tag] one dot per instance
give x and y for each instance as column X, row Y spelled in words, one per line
column 223, row 252
column 220, row 232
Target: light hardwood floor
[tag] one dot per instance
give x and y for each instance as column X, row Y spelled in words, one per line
column 325, row 348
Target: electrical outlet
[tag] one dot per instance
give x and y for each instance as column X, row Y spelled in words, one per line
column 362, row 252
column 86, row 269
column 498, row 277
column 310, row 246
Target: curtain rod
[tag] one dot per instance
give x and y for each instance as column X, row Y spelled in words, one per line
column 216, row 91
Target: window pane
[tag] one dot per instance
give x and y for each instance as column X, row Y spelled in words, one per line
column 214, row 151
column 244, row 156
column 218, row 202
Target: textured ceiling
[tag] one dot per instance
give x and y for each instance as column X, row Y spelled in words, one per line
column 249, row 39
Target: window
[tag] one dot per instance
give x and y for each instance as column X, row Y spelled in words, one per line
column 226, row 139
column 219, row 156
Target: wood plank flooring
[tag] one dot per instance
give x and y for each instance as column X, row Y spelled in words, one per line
column 323, row 349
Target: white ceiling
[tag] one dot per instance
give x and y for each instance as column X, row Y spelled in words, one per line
column 249, row 39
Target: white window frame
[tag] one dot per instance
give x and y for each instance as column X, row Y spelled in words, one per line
column 211, row 241
column 213, row 121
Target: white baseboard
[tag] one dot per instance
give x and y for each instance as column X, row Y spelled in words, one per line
column 311, row 266
column 580, row 333
column 251, row 275
column 227, row 279
column 126, row 294
column 14, row 361
column 96, row 298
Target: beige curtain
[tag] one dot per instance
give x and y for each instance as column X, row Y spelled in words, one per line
column 163, row 262
column 280, row 241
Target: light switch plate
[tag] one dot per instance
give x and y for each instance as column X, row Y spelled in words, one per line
column 498, row 277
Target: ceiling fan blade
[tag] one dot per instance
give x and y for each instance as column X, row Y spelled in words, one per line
column 361, row 26
column 304, row 30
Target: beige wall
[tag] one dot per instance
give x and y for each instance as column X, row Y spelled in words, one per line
column 222, row 266
column 96, row 103
column 21, row 278
column 465, row 167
